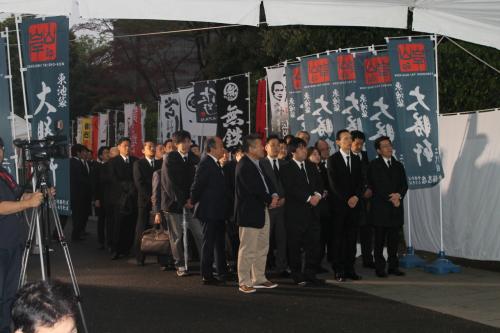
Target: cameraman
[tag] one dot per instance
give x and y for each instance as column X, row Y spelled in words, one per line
column 12, row 237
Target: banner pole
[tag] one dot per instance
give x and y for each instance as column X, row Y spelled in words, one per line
column 441, row 265
column 159, row 138
column 12, row 114
column 22, row 69
column 267, row 112
column 249, row 105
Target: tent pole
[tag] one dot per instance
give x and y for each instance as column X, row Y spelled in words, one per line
column 12, row 114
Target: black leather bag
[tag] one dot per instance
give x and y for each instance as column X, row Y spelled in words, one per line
column 155, row 241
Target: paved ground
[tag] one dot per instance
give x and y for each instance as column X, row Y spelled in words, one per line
column 120, row 297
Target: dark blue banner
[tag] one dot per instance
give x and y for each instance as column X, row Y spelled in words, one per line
column 294, row 98
column 344, row 95
column 316, row 95
column 413, row 69
column 45, row 49
column 5, row 111
column 377, row 115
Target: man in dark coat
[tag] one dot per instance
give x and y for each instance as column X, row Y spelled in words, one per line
column 124, row 199
column 97, row 175
column 387, row 179
column 208, row 194
column 143, row 176
column 80, row 191
column 255, row 195
column 303, row 192
column 346, row 183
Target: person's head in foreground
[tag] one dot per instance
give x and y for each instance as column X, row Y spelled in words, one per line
column 42, row 307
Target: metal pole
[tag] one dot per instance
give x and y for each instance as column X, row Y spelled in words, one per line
column 22, row 70
column 249, row 105
column 12, row 114
column 437, row 111
column 159, row 138
column 267, row 112
column 409, row 219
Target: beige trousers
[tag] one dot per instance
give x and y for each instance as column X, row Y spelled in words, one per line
column 252, row 254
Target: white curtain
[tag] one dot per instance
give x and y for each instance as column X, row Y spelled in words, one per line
column 470, row 146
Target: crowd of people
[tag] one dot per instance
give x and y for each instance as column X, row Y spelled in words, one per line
column 278, row 206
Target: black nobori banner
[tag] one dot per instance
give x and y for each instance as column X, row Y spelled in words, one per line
column 205, row 102
column 232, row 105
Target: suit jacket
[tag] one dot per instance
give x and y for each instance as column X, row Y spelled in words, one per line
column 298, row 211
column 123, row 192
column 180, row 176
column 268, row 170
column 96, row 181
column 208, row 191
column 143, row 178
column 156, row 196
column 383, row 181
column 80, row 185
column 344, row 184
column 251, row 197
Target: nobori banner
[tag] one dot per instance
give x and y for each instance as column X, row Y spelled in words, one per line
column 413, row 68
column 45, row 51
column 5, row 111
column 294, row 98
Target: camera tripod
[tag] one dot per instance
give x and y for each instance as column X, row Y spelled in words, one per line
column 39, row 227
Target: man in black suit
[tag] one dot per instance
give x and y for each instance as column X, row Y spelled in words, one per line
column 208, row 194
column 326, row 212
column 97, row 174
column 365, row 227
column 346, row 183
column 303, row 192
column 124, row 199
column 143, row 176
column 271, row 165
column 387, row 179
column 180, row 168
column 255, row 195
column 80, row 191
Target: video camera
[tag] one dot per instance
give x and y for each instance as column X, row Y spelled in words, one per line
column 43, row 150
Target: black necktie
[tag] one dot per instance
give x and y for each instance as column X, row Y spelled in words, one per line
column 303, row 169
column 126, row 160
column 348, row 163
column 323, row 163
column 152, row 162
column 275, row 168
column 389, row 163
column 185, row 159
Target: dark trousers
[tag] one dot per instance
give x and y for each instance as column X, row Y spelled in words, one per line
column 110, row 222
column 233, row 240
column 79, row 217
column 277, row 244
column 389, row 236
column 345, row 229
column 326, row 240
column 366, row 240
column 306, row 237
column 123, row 231
column 213, row 241
column 142, row 224
column 10, row 268
column 101, row 225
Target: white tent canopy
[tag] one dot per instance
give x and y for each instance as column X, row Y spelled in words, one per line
column 469, row 20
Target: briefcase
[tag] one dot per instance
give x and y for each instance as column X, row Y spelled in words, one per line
column 155, row 241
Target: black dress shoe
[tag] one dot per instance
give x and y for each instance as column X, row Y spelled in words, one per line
column 353, row 276
column 115, row 256
column 339, row 277
column 396, row 272
column 284, row 274
column 210, row 282
column 315, row 281
column 381, row 274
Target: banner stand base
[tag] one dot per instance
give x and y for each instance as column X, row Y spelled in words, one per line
column 410, row 259
column 442, row 266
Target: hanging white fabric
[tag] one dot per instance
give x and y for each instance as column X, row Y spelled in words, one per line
column 470, row 147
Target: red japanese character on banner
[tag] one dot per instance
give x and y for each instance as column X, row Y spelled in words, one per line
column 42, row 41
column 297, row 78
column 412, row 57
column 345, row 67
column 317, row 71
column 377, row 70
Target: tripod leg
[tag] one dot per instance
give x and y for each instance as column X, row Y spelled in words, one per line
column 69, row 262
column 27, row 248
